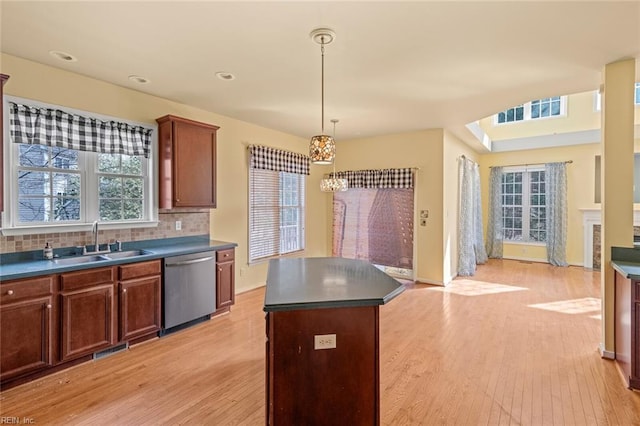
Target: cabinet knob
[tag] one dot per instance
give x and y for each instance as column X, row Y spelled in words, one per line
column 124, row 290
column 49, row 306
column 10, row 292
column 226, row 255
column 220, row 269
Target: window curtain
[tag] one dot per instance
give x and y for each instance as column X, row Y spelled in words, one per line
column 277, row 160
column 53, row 127
column 382, row 178
column 494, row 226
column 373, row 221
column 556, row 187
column 276, row 201
column 471, row 251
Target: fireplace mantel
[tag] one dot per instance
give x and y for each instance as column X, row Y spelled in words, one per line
column 591, row 217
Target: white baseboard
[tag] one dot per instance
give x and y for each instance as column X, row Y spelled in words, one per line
column 428, row 281
column 537, row 260
column 605, row 353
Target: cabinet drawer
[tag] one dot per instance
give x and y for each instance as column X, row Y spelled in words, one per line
column 225, row 255
column 21, row 289
column 142, row 269
column 87, row 278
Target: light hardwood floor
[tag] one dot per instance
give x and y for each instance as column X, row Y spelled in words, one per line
column 515, row 344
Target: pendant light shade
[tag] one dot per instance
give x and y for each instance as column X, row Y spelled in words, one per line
column 322, row 148
column 333, row 184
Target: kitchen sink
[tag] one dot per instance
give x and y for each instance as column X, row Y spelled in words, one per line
column 79, row 260
column 123, row 254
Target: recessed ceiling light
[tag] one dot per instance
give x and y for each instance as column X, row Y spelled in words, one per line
column 139, row 79
column 227, row 76
column 63, row 56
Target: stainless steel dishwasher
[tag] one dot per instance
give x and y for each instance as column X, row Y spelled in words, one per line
column 189, row 288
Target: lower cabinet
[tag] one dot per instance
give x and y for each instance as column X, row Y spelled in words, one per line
column 139, row 299
column 225, row 278
column 87, row 310
column 627, row 328
column 26, row 321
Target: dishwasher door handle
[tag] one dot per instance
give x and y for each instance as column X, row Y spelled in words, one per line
column 189, row 262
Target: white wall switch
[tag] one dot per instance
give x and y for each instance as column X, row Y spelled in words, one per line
column 178, row 225
column 324, row 341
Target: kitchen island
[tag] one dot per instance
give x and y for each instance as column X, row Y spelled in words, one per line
column 322, row 344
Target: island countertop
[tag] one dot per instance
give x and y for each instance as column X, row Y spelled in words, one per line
column 326, row 282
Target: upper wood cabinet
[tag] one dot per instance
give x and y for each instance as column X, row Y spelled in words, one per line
column 187, row 158
column 3, row 79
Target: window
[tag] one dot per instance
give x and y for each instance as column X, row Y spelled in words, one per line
column 276, row 201
column 524, row 206
column 276, row 213
column 48, row 187
column 540, row 108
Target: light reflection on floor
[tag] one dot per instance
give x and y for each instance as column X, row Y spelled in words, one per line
column 574, row 306
column 465, row 287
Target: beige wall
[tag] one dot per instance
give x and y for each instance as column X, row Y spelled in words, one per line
column 423, row 150
column 229, row 221
column 580, row 188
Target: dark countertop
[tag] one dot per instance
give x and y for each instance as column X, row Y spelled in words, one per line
column 626, row 261
column 326, row 282
column 31, row 264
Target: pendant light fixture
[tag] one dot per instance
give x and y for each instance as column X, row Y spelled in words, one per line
column 322, row 148
column 333, row 184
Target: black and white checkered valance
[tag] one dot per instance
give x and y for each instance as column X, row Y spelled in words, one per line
column 53, row 127
column 264, row 157
column 382, row 178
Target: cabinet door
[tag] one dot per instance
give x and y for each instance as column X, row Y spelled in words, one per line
column 225, row 288
column 87, row 321
column 25, row 341
column 194, row 165
column 139, row 307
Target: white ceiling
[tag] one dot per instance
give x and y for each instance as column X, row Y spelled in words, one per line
column 393, row 67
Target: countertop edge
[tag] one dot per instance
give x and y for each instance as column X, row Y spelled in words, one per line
column 629, row 270
column 46, row 267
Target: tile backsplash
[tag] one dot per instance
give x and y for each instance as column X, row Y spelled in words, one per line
column 194, row 222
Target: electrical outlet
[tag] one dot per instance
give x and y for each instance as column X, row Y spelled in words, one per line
column 178, row 225
column 324, row 341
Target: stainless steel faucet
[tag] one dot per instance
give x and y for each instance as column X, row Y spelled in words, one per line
column 96, row 248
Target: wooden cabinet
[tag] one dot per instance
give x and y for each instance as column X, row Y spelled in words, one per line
column 26, row 326
column 310, row 385
column 187, row 173
column 87, row 310
column 225, row 278
column 627, row 328
column 139, row 299
column 3, row 79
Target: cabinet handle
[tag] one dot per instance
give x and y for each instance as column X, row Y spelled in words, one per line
column 49, row 306
column 10, row 292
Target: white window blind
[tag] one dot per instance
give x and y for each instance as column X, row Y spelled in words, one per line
column 276, row 201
